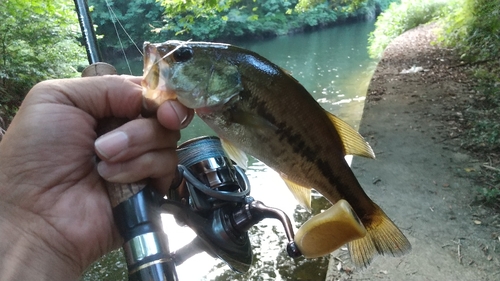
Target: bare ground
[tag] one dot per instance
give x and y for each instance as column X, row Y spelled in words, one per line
column 421, row 176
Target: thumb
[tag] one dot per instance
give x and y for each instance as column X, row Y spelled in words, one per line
column 100, row 96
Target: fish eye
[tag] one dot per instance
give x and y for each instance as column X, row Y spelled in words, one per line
column 183, row 54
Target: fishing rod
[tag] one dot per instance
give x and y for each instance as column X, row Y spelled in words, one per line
column 135, row 208
column 96, row 66
column 90, row 40
column 219, row 208
column 211, row 195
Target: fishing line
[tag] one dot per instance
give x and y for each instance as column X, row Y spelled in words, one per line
column 201, row 149
column 123, row 28
column 114, row 18
column 171, row 52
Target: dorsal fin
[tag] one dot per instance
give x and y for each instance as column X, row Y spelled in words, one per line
column 354, row 143
column 301, row 193
column 236, row 154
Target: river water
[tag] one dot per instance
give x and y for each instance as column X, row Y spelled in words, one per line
column 333, row 65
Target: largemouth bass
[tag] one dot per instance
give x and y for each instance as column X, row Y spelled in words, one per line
column 257, row 108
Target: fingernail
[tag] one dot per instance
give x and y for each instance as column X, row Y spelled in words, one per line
column 181, row 112
column 187, row 120
column 111, row 144
column 108, row 171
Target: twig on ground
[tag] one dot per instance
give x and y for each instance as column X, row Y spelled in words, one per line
column 490, row 168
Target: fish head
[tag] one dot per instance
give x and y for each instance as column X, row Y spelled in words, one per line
column 197, row 74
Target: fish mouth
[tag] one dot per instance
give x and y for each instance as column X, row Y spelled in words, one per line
column 154, row 80
column 171, row 73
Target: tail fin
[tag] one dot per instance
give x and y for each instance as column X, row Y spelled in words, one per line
column 382, row 237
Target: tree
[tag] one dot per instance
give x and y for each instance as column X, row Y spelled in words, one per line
column 141, row 19
column 38, row 40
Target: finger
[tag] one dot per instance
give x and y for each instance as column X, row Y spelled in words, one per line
column 135, row 79
column 155, row 164
column 163, row 184
column 135, row 138
column 100, row 96
column 173, row 115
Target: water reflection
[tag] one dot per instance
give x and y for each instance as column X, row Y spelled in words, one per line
column 334, row 66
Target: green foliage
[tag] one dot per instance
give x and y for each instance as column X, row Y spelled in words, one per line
column 489, row 192
column 483, row 132
column 111, row 267
column 247, row 18
column 472, row 27
column 160, row 20
column 141, row 19
column 353, row 5
column 486, row 133
column 197, row 7
column 401, row 17
column 269, row 18
column 38, row 41
column 489, row 195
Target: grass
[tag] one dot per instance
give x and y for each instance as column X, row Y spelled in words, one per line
column 483, row 132
column 401, row 17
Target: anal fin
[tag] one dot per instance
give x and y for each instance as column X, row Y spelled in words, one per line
column 236, row 154
column 301, row 193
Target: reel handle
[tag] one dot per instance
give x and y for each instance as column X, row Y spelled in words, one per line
column 328, row 231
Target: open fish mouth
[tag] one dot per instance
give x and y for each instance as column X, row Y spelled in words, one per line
column 197, row 74
column 154, row 83
column 257, row 108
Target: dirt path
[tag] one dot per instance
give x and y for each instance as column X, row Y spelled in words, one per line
column 410, row 121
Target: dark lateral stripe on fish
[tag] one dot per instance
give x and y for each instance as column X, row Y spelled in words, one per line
column 286, row 133
column 251, row 102
column 299, row 146
column 282, row 129
column 335, row 181
column 295, row 140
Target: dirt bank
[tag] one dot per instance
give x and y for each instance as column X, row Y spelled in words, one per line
column 420, row 175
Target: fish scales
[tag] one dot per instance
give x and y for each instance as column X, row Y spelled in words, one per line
column 318, row 148
column 320, row 164
column 260, row 109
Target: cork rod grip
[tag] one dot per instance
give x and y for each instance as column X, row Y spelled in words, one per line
column 117, row 192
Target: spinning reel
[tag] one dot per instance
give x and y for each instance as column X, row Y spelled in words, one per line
column 212, row 197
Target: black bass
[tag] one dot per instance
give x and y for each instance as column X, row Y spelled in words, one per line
column 257, row 108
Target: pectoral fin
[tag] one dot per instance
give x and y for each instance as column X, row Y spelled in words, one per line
column 301, row 193
column 252, row 120
column 354, row 143
column 236, row 154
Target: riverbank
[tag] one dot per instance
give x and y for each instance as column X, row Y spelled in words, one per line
column 421, row 177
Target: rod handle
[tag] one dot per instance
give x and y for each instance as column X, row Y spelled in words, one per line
column 117, row 192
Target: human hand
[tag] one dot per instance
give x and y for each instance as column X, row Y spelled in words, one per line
column 55, row 215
